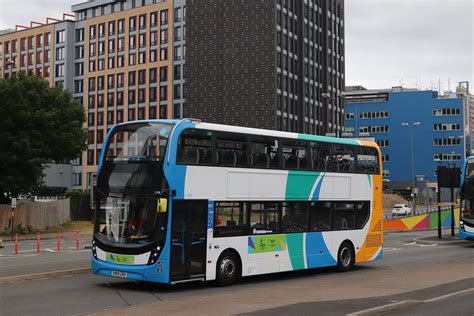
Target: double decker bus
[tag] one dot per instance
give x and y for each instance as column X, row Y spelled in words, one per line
column 182, row 200
column 466, row 218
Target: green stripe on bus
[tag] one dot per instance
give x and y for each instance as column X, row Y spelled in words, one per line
column 299, row 184
column 295, row 249
column 326, row 139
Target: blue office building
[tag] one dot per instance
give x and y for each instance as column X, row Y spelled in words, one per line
column 400, row 117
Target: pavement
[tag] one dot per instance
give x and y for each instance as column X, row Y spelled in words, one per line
column 412, row 274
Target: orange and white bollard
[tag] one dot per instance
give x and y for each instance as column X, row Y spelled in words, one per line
column 59, row 240
column 16, row 244
column 77, row 240
column 38, row 242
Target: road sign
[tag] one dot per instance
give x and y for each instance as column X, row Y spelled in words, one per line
column 13, row 202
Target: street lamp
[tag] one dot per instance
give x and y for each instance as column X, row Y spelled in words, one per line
column 411, row 127
column 328, row 97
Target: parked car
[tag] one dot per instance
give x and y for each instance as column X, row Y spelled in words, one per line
column 401, row 209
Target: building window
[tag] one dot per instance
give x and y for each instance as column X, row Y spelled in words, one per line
column 164, row 17
column 80, row 35
column 90, row 157
column 374, row 129
column 101, row 64
column 153, row 19
column 91, row 49
column 111, row 46
column 446, row 112
column 101, row 30
column 177, row 91
column 60, row 37
column 111, row 28
column 101, row 48
column 141, row 77
column 164, row 36
column 447, row 127
column 152, row 75
column 153, row 56
column 79, row 69
column 178, row 14
column 163, row 93
column 177, row 72
column 60, row 71
column 111, row 63
column 373, row 115
column 382, row 143
column 447, row 141
column 142, row 57
column 133, row 23
column 121, row 26
column 92, row 32
column 163, row 54
column 152, row 94
column 91, row 84
column 142, row 21
column 132, row 42
column 178, row 53
column 79, row 52
column 47, row 39
column 447, row 157
column 131, row 78
column 142, row 40
column 132, row 59
column 163, row 74
column 120, row 80
column 60, row 53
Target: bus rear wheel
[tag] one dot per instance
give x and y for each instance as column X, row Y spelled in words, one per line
column 345, row 257
column 228, row 269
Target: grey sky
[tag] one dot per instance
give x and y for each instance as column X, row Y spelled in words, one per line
column 388, row 42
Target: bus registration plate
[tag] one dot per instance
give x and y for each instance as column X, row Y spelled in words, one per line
column 120, row 274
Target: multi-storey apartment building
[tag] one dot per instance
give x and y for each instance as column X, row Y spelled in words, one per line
column 398, row 117
column 123, row 67
column 275, row 64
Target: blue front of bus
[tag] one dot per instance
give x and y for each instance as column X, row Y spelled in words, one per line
column 466, row 223
column 131, row 203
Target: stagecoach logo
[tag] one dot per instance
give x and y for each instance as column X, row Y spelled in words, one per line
column 261, row 244
column 119, row 259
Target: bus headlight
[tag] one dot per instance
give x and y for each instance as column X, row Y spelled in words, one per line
column 155, row 253
column 461, row 226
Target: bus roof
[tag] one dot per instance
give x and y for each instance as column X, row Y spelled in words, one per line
column 263, row 132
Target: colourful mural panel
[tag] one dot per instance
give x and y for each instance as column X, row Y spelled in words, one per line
column 425, row 221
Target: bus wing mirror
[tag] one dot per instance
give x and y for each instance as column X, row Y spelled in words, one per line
column 162, row 205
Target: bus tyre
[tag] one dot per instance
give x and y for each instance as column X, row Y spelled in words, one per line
column 228, row 269
column 345, row 257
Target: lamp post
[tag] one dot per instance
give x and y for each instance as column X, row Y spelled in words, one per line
column 411, row 127
column 327, row 96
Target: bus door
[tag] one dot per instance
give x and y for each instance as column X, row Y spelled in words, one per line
column 188, row 239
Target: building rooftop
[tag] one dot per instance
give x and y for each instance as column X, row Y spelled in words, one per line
column 91, row 4
column 359, row 90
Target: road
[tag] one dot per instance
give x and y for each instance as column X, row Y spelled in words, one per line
column 28, row 261
column 410, row 271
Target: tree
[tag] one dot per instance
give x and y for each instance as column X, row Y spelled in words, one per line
column 38, row 125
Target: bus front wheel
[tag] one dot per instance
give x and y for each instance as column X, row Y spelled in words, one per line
column 228, row 268
column 345, row 257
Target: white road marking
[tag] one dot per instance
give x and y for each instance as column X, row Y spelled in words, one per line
column 389, row 249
